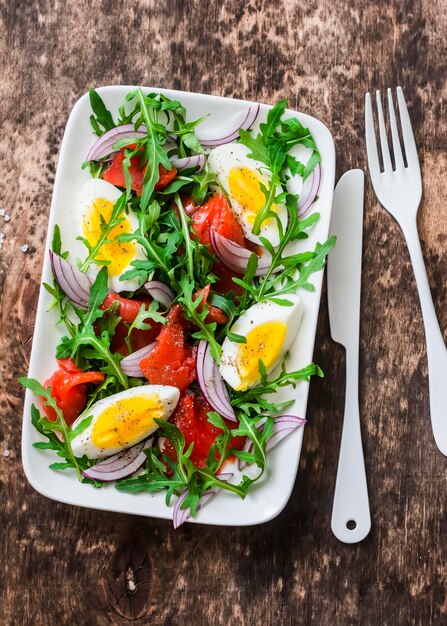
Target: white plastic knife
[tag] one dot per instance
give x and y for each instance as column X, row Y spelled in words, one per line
column 351, row 519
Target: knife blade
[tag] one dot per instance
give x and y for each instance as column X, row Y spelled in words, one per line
column 351, row 519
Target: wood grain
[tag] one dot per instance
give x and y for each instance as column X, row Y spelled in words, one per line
column 65, row 565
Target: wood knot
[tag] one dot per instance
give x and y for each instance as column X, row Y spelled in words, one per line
column 127, row 580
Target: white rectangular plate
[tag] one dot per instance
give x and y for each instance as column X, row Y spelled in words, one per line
column 268, row 497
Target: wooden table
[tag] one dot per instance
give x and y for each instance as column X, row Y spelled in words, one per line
column 65, row 565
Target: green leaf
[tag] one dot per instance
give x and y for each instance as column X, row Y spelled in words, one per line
column 56, row 244
column 83, row 424
column 46, row 428
column 174, row 435
column 106, row 228
column 190, row 140
column 190, row 307
column 252, row 399
column 98, row 293
column 258, row 149
column 273, row 119
column 146, row 313
column 61, row 466
column 236, row 338
column 103, row 117
column 99, row 349
column 178, row 183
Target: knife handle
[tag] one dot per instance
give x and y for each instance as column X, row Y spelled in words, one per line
column 351, row 519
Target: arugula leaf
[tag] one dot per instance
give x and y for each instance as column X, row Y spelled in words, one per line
column 155, row 155
column 198, row 318
column 314, row 265
column 253, row 400
column 56, row 242
column 236, row 338
column 176, row 476
column 48, row 429
column 259, row 151
column 274, row 117
column 83, row 424
column 149, row 312
column 98, row 293
column 102, row 116
column 98, row 348
column 106, row 228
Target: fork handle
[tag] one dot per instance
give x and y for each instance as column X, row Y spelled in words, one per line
column 436, row 349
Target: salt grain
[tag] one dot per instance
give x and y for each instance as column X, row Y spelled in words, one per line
column 24, row 248
column 6, row 452
column 2, row 212
column 7, row 218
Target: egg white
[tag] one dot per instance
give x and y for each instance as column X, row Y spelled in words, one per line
column 258, row 314
column 94, row 189
column 83, row 443
column 221, row 161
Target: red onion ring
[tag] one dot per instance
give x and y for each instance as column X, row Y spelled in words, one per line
column 74, row 283
column 160, row 292
column 211, row 382
column 283, row 426
column 310, row 190
column 104, row 145
column 250, row 117
column 197, row 160
column 179, row 515
column 120, row 465
column 130, row 365
column 236, row 257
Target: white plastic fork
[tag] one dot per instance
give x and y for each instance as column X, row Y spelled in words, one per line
column 399, row 191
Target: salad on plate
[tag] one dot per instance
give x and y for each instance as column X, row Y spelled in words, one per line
column 179, row 293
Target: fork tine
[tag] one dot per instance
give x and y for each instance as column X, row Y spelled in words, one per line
column 383, row 139
column 407, row 131
column 370, row 135
column 398, row 158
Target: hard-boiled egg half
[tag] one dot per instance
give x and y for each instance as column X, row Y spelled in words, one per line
column 124, row 419
column 241, row 178
column 96, row 202
column 269, row 330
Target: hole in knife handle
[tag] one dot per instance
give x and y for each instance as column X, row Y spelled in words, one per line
column 351, row 524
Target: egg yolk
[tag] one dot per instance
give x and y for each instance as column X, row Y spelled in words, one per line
column 124, row 423
column 263, row 343
column 120, row 254
column 245, row 187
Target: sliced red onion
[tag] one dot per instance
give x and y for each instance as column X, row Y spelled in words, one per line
column 120, row 465
column 120, row 458
column 130, row 365
column 104, row 145
column 179, row 515
column 74, row 283
column 197, row 160
column 226, row 476
column 160, row 292
column 236, row 257
column 211, row 382
column 310, row 190
column 247, row 122
column 283, row 426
